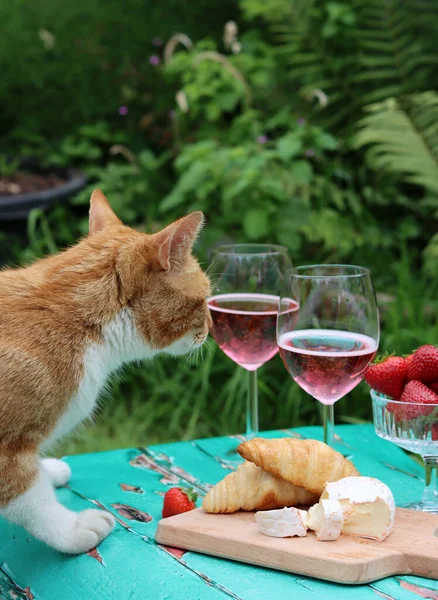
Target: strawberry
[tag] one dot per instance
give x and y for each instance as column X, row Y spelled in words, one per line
column 415, row 392
column 178, row 500
column 388, row 376
column 424, row 364
column 408, row 360
column 419, row 393
column 433, row 387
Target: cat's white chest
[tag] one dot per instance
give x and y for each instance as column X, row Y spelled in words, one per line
column 120, row 343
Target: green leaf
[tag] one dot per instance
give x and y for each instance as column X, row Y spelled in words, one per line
column 273, row 188
column 190, row 493
column 400, row 139
column 235, row 189
column 227, row 100
column 289, row 146
column 326, row 141
column 302, row 172
column 255, row 223
column 175, row 198
column 146, row 159
column 193, row 176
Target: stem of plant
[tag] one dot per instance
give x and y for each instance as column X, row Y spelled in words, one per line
column 430, row 494
column 329, row 424
column 252, row 406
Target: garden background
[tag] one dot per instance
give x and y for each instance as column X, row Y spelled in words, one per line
column 309, row 123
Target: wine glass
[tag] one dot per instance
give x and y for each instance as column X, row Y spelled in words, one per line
column 243, row 306
column 414, row 427
column 327, row 344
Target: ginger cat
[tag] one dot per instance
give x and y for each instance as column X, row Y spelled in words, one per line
column 66, row 323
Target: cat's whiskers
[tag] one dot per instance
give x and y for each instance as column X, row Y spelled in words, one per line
column 214, row 277
column 196, row 351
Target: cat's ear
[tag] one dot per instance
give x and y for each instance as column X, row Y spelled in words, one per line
column 101, row 213
column 177, row 240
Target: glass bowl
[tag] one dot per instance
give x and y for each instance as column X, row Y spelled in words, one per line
column 414, row 427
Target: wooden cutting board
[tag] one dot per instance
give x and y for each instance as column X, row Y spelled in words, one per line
column 411, row 549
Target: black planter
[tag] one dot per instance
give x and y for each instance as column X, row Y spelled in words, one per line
column 16, row 207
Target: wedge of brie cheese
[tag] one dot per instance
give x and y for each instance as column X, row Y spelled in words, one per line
column 285, row 522
column 326, row 519
column 367, row 503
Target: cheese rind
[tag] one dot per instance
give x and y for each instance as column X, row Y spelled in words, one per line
column 326, row 519
column 367, row 503
column 285, row 522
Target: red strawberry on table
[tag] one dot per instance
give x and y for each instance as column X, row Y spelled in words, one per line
column 177, row 500
column 388, row 376
column 415, row 392
column 424, row 364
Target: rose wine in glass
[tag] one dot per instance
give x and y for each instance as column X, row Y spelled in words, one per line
column 335, row 333
column 244, row 309
column 244, row 327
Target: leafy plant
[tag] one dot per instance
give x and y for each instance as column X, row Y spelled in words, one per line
column 354, row 53
column 402, row 136
column 70, row 65
column 7, row 166
column 314, row 126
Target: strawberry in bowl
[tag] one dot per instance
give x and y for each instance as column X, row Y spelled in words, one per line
column 404, row 393
column 412, row 380
column 387, row 375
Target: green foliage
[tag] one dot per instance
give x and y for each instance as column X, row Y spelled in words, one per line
column 356, row 53
column 403, row 135
column 7, row 166
column 283, row 196
column 315, row 127
column 135, row 183
column 66, row 64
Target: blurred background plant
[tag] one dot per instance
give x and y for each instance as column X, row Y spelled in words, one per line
column 310, row 123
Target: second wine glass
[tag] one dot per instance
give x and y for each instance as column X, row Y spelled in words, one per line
column 327, row 344
column 246, row 286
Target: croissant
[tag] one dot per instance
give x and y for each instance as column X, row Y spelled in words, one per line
column 252, row 488
column 305, row 463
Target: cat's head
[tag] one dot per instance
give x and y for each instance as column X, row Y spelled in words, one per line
column 161, row 282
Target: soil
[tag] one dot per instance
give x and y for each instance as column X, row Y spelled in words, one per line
column 23, row 183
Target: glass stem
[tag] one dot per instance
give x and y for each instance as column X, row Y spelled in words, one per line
column 430, row 494
column 328, row 416
column 252, row 406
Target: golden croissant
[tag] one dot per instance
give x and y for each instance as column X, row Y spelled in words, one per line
column 252, row 488
column 305, row 463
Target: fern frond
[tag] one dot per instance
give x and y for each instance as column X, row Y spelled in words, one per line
column 402, row 137
column 387, row 49
column 394, row 58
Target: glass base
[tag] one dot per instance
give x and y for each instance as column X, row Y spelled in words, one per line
column 429, row 508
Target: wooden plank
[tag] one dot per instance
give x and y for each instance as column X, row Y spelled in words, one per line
column 412, row 547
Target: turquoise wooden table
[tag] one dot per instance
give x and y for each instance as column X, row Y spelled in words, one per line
column 129, row 565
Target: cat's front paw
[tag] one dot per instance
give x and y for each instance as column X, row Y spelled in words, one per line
column 91, row 527
column 59, row 471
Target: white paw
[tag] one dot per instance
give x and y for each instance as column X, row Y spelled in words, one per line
column 91, row 527
column 59, row 471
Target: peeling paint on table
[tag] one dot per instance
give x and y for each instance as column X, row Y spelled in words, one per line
column 129, row 565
